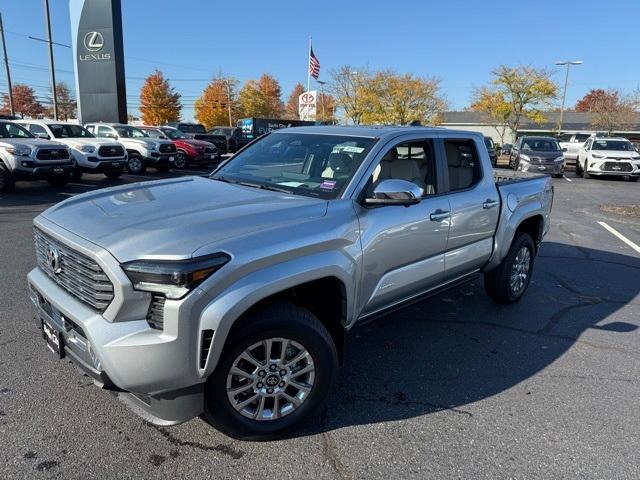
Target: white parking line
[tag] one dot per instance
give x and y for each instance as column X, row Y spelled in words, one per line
column 568, row 179
column 81, row 184
column 620, row 236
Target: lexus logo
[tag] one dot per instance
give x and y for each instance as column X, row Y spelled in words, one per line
column 53, row 260
column 93, row 41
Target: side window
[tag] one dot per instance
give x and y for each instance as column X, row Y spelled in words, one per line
column 90, row 128
column 463, row 163
column 412, row 161
column 104, row 131
column 587, row 145
column 37, row 129
column 581, row 137
column 565, row 137
column 16, row 132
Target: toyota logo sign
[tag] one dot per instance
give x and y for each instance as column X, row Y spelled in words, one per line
column 93, row 41
column 53, row 260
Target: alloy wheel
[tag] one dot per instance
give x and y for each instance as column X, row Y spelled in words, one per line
column 520, row 270
column 271, row 379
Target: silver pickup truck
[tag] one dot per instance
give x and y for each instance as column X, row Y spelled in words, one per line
column 230, row 296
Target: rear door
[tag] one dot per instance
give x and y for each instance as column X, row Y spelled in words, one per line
column 475, row 205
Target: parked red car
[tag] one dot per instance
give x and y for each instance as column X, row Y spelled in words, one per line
column 189, row 150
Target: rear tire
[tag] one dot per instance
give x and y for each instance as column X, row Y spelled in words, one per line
column 508, row 282
column 282, row 322
column 7, row 180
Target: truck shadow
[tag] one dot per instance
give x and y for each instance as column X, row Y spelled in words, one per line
column 458, row 347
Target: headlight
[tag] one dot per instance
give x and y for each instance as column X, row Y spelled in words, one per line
column 87, row 149
column 597, row 155
column 19, row 151
column 173, row 279
column 152, row 146
column 559, row 159
column 525, row 158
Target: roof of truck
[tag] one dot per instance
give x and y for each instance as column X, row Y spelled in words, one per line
column 373, row 131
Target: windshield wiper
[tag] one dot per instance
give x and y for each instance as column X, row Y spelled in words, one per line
column 260, row 186
column 275, row 189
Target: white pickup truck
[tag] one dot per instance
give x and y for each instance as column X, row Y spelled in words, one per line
column 91, row 154
column 570, row 144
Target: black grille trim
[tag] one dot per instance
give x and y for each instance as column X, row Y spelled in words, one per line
column 111, row 151
column 52, row 154
column 621, row 166
column 205, row 347
column 155, row 314
column 167, row 148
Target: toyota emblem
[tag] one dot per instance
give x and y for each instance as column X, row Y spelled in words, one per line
column 53, row 260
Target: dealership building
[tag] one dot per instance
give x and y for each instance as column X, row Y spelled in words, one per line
column 572, row 122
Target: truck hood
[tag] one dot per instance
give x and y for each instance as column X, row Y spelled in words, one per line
column 94, row 142
column 143, row 142
column 173, row 218
column 542, row 154
column 29, row 142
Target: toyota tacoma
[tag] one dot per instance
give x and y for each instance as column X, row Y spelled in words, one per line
column 231, row 296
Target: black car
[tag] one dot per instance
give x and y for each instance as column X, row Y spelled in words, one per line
column 491, row 148
column 197, row 131
column 235, row 139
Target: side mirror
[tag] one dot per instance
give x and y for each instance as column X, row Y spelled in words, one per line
column 395, row 192
column 564, row 149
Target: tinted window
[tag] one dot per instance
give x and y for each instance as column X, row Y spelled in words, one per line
column 130, row 132
column 582, row 137
column 64, row 130
column 192, row 128
column 33, row 128
column 463, row 163
column 104, row 131
column 541, row 145
column 620, row 145
column 11, row 130
column 314, row 165
column 565, row 137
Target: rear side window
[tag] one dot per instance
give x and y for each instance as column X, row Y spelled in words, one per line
column 581, row 137
column 33, row 128
column 565, row 137
column 463, row 163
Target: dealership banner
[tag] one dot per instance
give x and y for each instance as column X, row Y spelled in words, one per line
column 96, row 31
column 307, row 102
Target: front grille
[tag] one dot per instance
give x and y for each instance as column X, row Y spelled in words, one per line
column 617, row 166
column 111, row 151
column 155, row 314
column 207, row 337
column 76, row 273
column 209, row 150
column 52, row 154
column 167, row 148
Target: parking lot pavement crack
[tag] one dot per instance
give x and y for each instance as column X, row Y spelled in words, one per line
column 399, row 400
column 592, row 377
column 221, row 448
column 597, row 260
column 330, row 454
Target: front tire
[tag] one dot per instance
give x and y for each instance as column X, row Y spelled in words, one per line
column 180, row 160
column 276, row 369
column 135, row 164
column 113, row 175
column 7, row 180
column 507, row 283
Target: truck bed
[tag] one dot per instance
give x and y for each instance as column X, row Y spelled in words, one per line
column 504, row 176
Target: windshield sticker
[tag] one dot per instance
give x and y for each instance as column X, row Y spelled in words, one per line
column 352, row 149
column 328, row 185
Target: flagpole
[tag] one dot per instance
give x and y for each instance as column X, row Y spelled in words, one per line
column 309, row 66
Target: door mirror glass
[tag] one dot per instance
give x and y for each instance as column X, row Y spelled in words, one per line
column 395, row 192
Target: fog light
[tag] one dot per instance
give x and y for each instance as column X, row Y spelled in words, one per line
column 28, row 164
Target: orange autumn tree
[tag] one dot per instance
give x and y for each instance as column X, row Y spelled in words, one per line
column 159, row 102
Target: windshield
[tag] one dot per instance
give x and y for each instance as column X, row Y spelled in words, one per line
column 541, row 145
column 70, row 131
column 11, row 130
column 306, row 164
column 488, row 142
column 130, row 132
column 619, row 145
column 173, row 134
column 192, row 128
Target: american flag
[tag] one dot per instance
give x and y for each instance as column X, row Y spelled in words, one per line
column 314, row 65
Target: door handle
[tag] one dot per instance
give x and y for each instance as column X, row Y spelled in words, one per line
column 488, row 203
column 439, row 215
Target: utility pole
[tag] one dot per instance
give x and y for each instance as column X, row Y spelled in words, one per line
column 568, row 63
column 54, row 95
column 6, row 67
column 226, row 82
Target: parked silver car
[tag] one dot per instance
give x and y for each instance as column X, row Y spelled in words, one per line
column 537, row 154
column 232, row 295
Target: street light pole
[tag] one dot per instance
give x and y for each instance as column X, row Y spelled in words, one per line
column 6, row 66
column 226, row 82
column 54, row 94
column 568, row 63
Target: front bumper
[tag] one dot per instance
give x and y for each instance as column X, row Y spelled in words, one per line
column 44, row 171
column 607, row 167
column 92, row 162
column 156, row 159
column 156, row 372
column 556, row 168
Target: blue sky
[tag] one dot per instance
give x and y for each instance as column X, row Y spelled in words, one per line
column 458, row 41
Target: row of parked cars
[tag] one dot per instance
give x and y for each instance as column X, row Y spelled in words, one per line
column 597, row 155
column 59, row 152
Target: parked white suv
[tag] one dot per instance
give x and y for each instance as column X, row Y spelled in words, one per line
column 91, row 154
column 602, row 156
column 142, row 150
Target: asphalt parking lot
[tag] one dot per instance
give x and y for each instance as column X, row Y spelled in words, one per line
column 453, row 387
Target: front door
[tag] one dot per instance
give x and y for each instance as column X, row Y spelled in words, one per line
column 403, row 247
